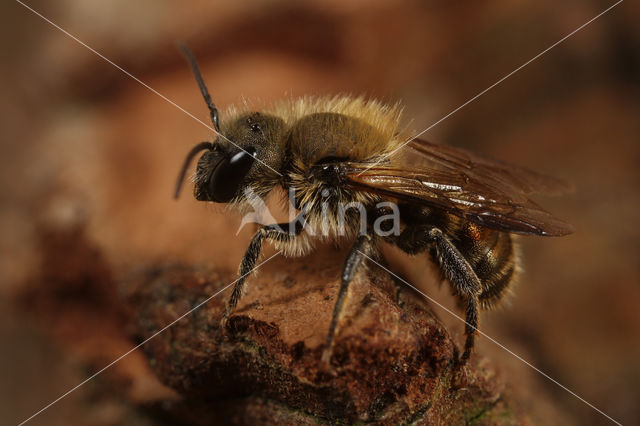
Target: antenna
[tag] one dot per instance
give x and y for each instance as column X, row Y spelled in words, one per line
column 196, row 149
column 203, row 88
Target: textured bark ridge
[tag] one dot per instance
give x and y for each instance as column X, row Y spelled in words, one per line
column 392, row 362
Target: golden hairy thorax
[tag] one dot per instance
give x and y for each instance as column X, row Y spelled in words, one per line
column 325, row 135
column 340, row 124
column 342, row 127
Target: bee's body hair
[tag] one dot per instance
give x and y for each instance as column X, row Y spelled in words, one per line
column 358, row 129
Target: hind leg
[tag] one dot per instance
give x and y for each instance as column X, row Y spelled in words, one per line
column 464, row 280
column 455, row 268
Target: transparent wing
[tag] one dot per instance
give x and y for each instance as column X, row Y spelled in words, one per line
column 484, row 191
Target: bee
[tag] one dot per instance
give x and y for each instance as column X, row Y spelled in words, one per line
column 460, row 208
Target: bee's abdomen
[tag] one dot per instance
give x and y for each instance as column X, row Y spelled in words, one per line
column 492, row 256
column 490, row 253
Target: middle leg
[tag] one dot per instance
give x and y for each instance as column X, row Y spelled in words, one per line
column 354, row 259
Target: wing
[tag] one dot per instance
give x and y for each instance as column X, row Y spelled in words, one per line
column 487, row 192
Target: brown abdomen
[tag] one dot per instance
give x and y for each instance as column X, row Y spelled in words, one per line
column 492, row 255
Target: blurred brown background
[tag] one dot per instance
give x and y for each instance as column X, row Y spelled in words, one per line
column 84, row 143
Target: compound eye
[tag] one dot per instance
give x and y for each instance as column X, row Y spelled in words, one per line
column 229, row 174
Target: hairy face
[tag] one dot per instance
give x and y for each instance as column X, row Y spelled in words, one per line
column 249, row 156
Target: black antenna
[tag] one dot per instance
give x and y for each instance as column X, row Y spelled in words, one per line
column 203, row 88
column 196, row 149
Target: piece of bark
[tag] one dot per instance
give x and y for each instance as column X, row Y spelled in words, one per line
column 393, row 360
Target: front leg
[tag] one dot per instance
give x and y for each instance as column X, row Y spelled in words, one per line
column 354, row 259
column 278, row 232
